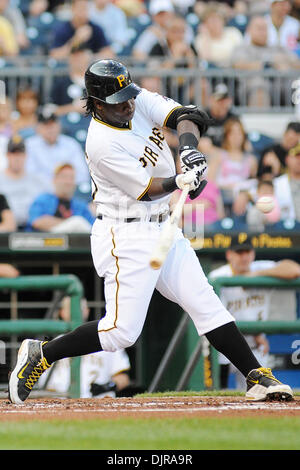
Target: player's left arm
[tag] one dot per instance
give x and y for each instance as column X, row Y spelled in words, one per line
column 285, row 269
column 191, row 123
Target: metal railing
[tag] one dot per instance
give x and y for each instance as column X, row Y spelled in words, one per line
column 246, row 327
column 186, row 85
column 72, row 287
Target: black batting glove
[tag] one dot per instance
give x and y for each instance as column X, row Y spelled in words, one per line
column 195, row 192
column 191, row 158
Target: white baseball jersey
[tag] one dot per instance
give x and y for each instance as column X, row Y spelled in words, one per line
column 123, row 161
column 98, row 368
column 245, row 304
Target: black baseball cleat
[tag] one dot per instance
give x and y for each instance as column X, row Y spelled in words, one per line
column 263, row 386
column 30, row 365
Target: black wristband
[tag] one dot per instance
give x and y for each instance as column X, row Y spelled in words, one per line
column 169, row 184
column 188, row 139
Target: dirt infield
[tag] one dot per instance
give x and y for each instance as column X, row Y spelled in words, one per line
column 110, row 408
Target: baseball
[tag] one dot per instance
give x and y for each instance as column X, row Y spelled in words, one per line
column 265, row 204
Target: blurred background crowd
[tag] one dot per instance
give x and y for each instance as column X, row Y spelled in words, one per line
column 233, row 58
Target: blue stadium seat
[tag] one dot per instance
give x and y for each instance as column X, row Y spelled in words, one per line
column 259, row 142
column 75, row 125
column 39, row 32
column 235, row 224
column 193, row 20
column 288, row 225
column 239, row 22
column 84, row 192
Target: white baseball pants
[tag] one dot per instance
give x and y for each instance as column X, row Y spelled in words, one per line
column 121, row 254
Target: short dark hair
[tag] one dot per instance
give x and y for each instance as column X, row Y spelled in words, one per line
column 293, row 126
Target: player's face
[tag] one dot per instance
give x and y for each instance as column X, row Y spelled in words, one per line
column 117, row 114
column 240, row 260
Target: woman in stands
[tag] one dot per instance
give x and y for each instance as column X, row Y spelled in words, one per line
column 27, row 102
column 232, row 163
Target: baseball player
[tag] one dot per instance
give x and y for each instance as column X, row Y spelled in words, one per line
column 133, row 175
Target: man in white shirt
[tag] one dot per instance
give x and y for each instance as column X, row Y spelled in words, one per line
column 50, row 148
column 283, row 30
column 247, row 304
column 19, row 186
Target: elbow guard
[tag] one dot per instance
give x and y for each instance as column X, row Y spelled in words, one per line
column 190, row 113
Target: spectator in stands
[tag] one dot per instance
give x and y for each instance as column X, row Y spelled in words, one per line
column 249, row 304
column 59, row 211
column 215, row 41
column 283, row 29
column 8, row 43
column 161, row 12
column 7, row 219
column 68, row 90
column 232, row 163
column 77, row 32
column 15, row 17
column 101, row 374
column 27, row 103
column 49, row 148
column 177, row 53
column 106, row 13
column 219, row 109
column 287, row 187
column 6, row 129
column 275, row 156
column 256, row 55
column 19, row 187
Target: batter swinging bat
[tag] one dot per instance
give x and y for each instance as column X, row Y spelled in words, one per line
column 167, row 235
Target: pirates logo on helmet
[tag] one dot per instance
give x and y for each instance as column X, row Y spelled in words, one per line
column 110, row 82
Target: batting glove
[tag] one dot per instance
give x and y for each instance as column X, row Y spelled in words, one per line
column 191, row 177
column 195, row 193
column 191, row 158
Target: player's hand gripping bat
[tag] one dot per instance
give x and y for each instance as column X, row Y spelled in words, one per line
column 168, row 232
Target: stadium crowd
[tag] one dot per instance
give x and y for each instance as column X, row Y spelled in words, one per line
column 42, row 139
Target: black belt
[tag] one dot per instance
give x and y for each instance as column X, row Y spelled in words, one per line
column 154, row 218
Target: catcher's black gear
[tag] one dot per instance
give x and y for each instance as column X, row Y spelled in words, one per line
column 109, row 81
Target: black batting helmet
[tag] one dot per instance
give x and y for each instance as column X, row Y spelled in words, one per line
column 110, row 81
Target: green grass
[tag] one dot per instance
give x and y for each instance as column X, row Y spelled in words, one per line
column 215, row 433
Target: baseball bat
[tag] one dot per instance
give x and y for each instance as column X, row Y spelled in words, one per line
column 167, row 235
